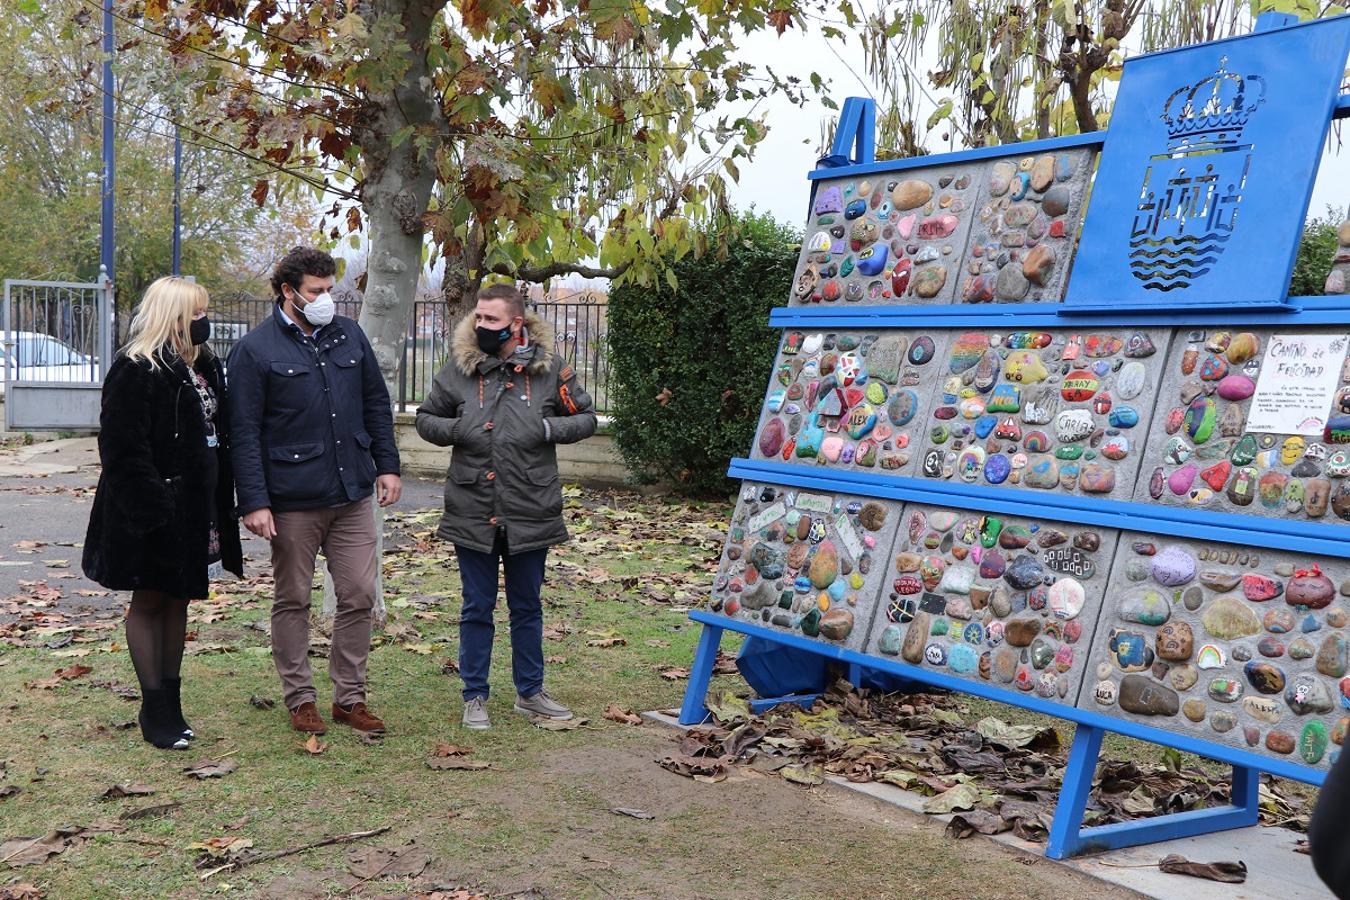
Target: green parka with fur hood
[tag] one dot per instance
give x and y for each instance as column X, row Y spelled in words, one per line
column 507, row 475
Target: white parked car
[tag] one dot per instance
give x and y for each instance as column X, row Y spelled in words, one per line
column 29, row 356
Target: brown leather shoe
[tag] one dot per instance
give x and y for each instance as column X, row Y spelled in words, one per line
column 306, row 718
column 359, row 717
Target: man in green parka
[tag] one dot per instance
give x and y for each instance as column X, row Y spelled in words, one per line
column 503, row 401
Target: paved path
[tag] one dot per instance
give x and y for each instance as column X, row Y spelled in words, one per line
column 46, row 491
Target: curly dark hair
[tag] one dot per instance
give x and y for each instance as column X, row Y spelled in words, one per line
column 301, row 261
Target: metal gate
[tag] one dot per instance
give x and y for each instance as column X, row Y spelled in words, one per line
column 56, row 342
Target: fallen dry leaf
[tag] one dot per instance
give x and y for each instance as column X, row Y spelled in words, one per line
column 607, row 642
column 24, row 891
column 632, row 813
column 261, row 702
column 127, row 789
column 218, row 848
column 616, row 713
column 149, row 812
column 9, row 790
column 369, row 863
column 557, row 724
column 675, row 673
column 30, row 851
column 450, row 750
column 1226, row 872
column 313, row 745
column 211, row 768
column 807, row 775
column 456, row 763
column 555, row 660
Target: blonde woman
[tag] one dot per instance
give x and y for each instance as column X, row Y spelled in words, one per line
column 163, row 517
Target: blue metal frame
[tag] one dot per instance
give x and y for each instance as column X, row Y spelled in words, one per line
column 1274, row 534
column 693, row 711
column 1329, row 310
column 853, row 155
column 1068, row 837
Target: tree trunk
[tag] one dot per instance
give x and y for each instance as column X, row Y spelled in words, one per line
column 395, row 193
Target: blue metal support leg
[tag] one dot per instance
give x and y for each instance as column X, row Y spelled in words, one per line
column 805, row 701
column 1069, row 838
column 694, row 709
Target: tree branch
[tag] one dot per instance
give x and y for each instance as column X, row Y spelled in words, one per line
column 543, row 273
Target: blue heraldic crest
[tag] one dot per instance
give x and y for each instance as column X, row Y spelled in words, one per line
column 1188, row 203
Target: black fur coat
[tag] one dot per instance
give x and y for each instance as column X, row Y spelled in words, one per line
column 149, row 527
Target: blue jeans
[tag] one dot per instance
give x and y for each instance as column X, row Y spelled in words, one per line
column 524, row 578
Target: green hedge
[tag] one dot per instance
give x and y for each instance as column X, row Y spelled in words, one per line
column 706, row 350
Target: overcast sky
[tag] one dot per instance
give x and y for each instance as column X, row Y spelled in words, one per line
column 775, row 181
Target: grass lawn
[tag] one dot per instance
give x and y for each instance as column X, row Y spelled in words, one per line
column 536, row 822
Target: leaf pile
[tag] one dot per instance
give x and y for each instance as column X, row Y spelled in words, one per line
column 994, row 776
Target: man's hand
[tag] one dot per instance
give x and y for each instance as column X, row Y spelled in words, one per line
column 260, row 523
column 388, row 488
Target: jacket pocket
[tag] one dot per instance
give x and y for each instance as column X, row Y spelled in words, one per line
column 298, row 471
column 467, row 494
column 289, row 385
column 540, row 497
column 364, row 461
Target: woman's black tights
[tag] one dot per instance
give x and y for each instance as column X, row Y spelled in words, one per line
column 156, row 632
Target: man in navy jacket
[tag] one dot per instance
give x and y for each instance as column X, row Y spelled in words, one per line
column 312, row 439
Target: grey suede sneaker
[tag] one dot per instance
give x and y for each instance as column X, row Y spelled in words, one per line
column 541, row 704
column 476, row 715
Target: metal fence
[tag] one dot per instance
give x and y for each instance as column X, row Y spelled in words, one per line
column 579, row 338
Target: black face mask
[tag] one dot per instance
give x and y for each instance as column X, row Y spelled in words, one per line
column 490, row 340
column 200, row 331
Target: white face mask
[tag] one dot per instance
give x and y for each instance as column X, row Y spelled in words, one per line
column 320, row 310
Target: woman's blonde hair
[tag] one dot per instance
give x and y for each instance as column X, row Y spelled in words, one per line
column 164, row 319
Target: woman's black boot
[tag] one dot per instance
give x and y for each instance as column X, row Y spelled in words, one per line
column 155, row 724
column 173, row 688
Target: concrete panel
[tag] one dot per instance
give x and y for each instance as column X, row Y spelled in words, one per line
column 806, row 563
column 1001, row 599
column 1235, row 645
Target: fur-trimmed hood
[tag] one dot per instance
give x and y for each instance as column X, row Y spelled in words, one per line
column 467, row 356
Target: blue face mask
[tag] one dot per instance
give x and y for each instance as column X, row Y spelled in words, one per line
column 490, row 340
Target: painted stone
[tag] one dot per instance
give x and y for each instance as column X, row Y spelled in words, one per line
column 911, row 194
column 1228, row 618
column 1174, row 641
column 772, row 436
column 1020, row 632
column 1038, row 264
column 1173, row 566
column 889, row 642
column 929, row 281
column 1242, row 347
column 1265, row 677
column 1301, row 648
column 1097, row 479
column 1131, row 650
column 1331, row 655
column 1130, row 380
column 1066, row 598
column 1243, row 488
column 836, row 624
column 1074, row 425
column 1235, row 388
column 921, row 351
column 1144, row 697
column 1225, row 690
column 824, row 566
column 1210, row 657
column 1146, row 607
column 1258, row 587
column 1310, row 588
column 1308, row 694
column 1263, row 709
column 1194, row 710
column 1184, row 677
column 1024, row 573
column 1024, row 367
column 916, row 636
column 1312, row 742
column 1280, row 742
column 1199, row 419
column 1079, row 385
column 1043, row 472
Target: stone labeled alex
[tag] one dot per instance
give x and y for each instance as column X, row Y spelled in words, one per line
column 1006, row 600
column 1236, row 645
column 808, row 563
